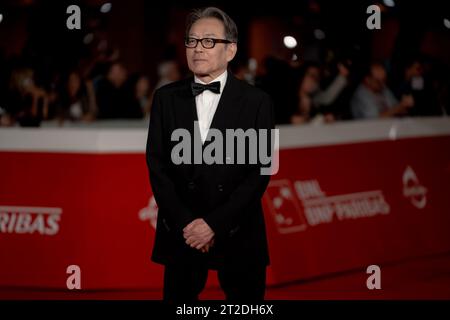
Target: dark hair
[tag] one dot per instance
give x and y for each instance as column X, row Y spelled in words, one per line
column 367, row 69
column 231, row 32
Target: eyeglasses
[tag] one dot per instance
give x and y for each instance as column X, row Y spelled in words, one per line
column 207, row 43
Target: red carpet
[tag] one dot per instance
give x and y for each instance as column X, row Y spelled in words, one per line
column 420, row 278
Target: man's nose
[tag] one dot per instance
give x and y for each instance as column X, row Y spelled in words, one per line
column 199, row 47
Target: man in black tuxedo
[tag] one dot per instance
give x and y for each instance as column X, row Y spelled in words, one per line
column 210, row 215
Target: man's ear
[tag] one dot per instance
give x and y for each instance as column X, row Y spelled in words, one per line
column 231, row 51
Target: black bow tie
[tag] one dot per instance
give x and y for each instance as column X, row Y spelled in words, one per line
column 198, row 88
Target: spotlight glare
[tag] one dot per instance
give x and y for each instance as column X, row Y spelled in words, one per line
column 88, row 38
column 389, row 3
column 106, row 7
column 319, row 34
column 289, row 42
column 447, row 23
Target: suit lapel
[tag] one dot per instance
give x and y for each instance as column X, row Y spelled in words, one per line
column 185, row 108
column 227, row 108
column 224, row 118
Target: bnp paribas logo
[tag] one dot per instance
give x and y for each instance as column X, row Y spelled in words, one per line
column 413, row 190
column 30, row 220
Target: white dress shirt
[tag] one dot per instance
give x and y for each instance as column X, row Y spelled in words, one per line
column 206, row 104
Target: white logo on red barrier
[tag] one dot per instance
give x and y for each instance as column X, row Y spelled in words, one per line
column 413, row 190
column 28, row 220
column 317, row 208
column 284, row 206
column 150, row 212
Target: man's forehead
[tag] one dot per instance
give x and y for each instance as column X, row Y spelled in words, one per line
column 206, row 34
column 207, row 27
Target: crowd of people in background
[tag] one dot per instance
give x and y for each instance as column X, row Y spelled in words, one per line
column 314, row 92
column 95, row 91
column 302, row 91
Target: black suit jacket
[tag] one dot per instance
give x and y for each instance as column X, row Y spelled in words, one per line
column 226, row 196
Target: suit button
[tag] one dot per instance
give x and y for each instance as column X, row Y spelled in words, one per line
column 166, row 224
column 220, row 187
column 191, row 185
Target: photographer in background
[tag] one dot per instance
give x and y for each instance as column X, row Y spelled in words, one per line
column 416, row 82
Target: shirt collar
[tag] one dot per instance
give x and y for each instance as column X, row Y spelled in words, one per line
column 222, row 79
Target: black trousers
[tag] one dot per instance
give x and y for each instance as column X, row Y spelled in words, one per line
column 184, row 283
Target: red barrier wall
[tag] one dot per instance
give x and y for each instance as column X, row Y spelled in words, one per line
column 346, row 196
